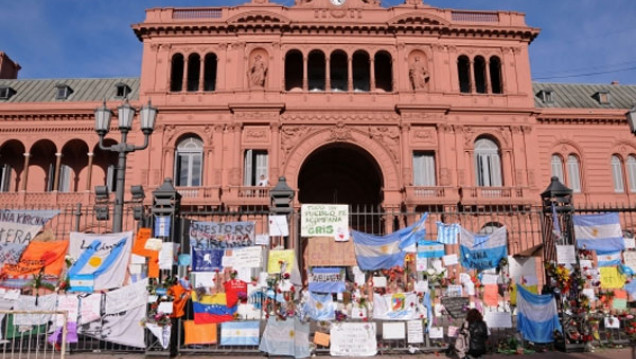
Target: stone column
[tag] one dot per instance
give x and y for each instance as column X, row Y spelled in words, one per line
column 372, row 74
column 349, row 74
column 441, row 154
column 487, row 83
column 327, row 74
column 25, row 177
column 56, row 177
column 471, row 74
column 275, row 148
column 201, row 73
column 305, row 76
column 184, row 87
column 89, row 175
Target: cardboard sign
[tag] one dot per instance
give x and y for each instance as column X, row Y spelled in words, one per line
column 325, row 252
column 393, row 331
column 456, row 306
column 222, row 235
column 353, row 339
column 415, row 331
column 330, row 220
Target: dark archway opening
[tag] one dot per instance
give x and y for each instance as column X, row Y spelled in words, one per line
column 345, row 174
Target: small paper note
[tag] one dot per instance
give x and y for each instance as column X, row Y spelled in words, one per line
column 153, row 244
column 436, row 333
column 452, row 331
column 262, row 239
column 165, row 307
column 379, row 282
column 612, row 323
column 450, row 259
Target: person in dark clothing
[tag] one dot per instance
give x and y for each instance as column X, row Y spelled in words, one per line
column 472, row 336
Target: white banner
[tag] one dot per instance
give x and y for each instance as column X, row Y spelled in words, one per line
column 128, row 297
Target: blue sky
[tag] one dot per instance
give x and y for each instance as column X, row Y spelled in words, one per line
column 581, row 41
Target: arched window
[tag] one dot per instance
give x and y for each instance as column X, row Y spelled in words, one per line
column 293, row 70
column 557, row 167
column 189, row 162
column 383, row 70
column 480, row 75
column 209, row 72
column 463, row 72
column 487, row 163
column 176, row 73
column 617, row 174
column 631, row 172
column 316, row 71
column 338, row 71
column 495, row 75
column 194, row 69
column 361, row 72
column 574, row 173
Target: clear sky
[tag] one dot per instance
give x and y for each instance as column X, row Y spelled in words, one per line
column 581, row 41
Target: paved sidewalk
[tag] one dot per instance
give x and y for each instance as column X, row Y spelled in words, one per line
column 624, row 353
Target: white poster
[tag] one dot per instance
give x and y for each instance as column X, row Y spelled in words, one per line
column 124, row 328
column 167, row 254
column 27, row 303
column 566, row 254
column 415, row 331
column 498, row 319
column 325, row 220
column 353, row 339
column 278, row 226
column 629, row 257
column 393, row 330
column 90, row 308
column 246, row 257
column 450, row 259
column 436, row 333
column 70, row 304
column 204, row 279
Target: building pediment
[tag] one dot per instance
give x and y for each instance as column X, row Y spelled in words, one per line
column 259, row 17
column 417, row 18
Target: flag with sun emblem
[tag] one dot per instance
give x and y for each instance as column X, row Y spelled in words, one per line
column 320, row 307
column 240, row 333
column 99, row 260
column 599, row 232
column 378, row 252
column 288, row 337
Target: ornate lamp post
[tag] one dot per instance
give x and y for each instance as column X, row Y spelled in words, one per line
column 125, row 115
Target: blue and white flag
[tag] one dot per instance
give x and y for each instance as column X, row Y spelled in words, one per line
column 430, row 249
column 326, row 280
column 608, row 259
column 100, row 260
column 429, row 311
column 207, row 259
column 286, row 338
column 378, row 252
column 447, row 233
column 599, row 232
column 413, row 233
column 482, row 251
column 537, row 316
column 240, row 333
column 320, row 307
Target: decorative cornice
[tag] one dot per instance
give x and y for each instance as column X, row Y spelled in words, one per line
column 553, row 120
column 350, row 118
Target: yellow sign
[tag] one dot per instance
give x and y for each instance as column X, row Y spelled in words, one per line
column 279, row 259
column 611, row 278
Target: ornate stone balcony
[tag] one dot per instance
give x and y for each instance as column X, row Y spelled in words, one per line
column 496, row 195
column 199, row 195
column 246, row 196
column 416, row 195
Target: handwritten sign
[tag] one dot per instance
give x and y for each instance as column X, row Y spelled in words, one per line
column 325, row 252
column 630, row 259
column 393, row 331
column 498, row 319
column 415, row 331
column 280, row 261
column 247, row 257
column 353, row 339
column 611, row 278
column 222, row 235
column 330, row 220
column 455, row 306
column 566, row 254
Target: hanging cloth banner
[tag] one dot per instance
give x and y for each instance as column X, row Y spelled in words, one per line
column 482, row 251
column 447, row 233
column 10, row 252
column 37, row 256
column 207, row 260
column 396, row 306
column 537, row 316
column 430, row 249
column 286, row 338
column 101, row 260
column 327, row 280
column 222, row 235
column 21, row 226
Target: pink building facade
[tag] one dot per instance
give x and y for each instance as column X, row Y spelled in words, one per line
column 408, row 107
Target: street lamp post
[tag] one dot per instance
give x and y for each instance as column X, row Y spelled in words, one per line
column 125, row 114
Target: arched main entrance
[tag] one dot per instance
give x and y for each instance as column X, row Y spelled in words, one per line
column 340, row 173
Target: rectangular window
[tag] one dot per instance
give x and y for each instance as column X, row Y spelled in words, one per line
column 488, row 170
column 617, row 175
column 424, row 169
column 255, row 166
column 188, row 169
column 573, row 174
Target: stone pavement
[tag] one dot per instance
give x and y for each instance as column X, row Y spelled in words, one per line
column 624, row 353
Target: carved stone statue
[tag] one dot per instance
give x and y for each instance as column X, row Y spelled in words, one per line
column 258, row 72
column 418, row 74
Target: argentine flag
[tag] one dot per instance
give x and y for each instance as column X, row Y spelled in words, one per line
column 599, row 232
column 240, row 333
column 430, row 249
column 537, row 316
column 411, row 234
column 608, row 259
column 377, row 252
column 482, row 251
